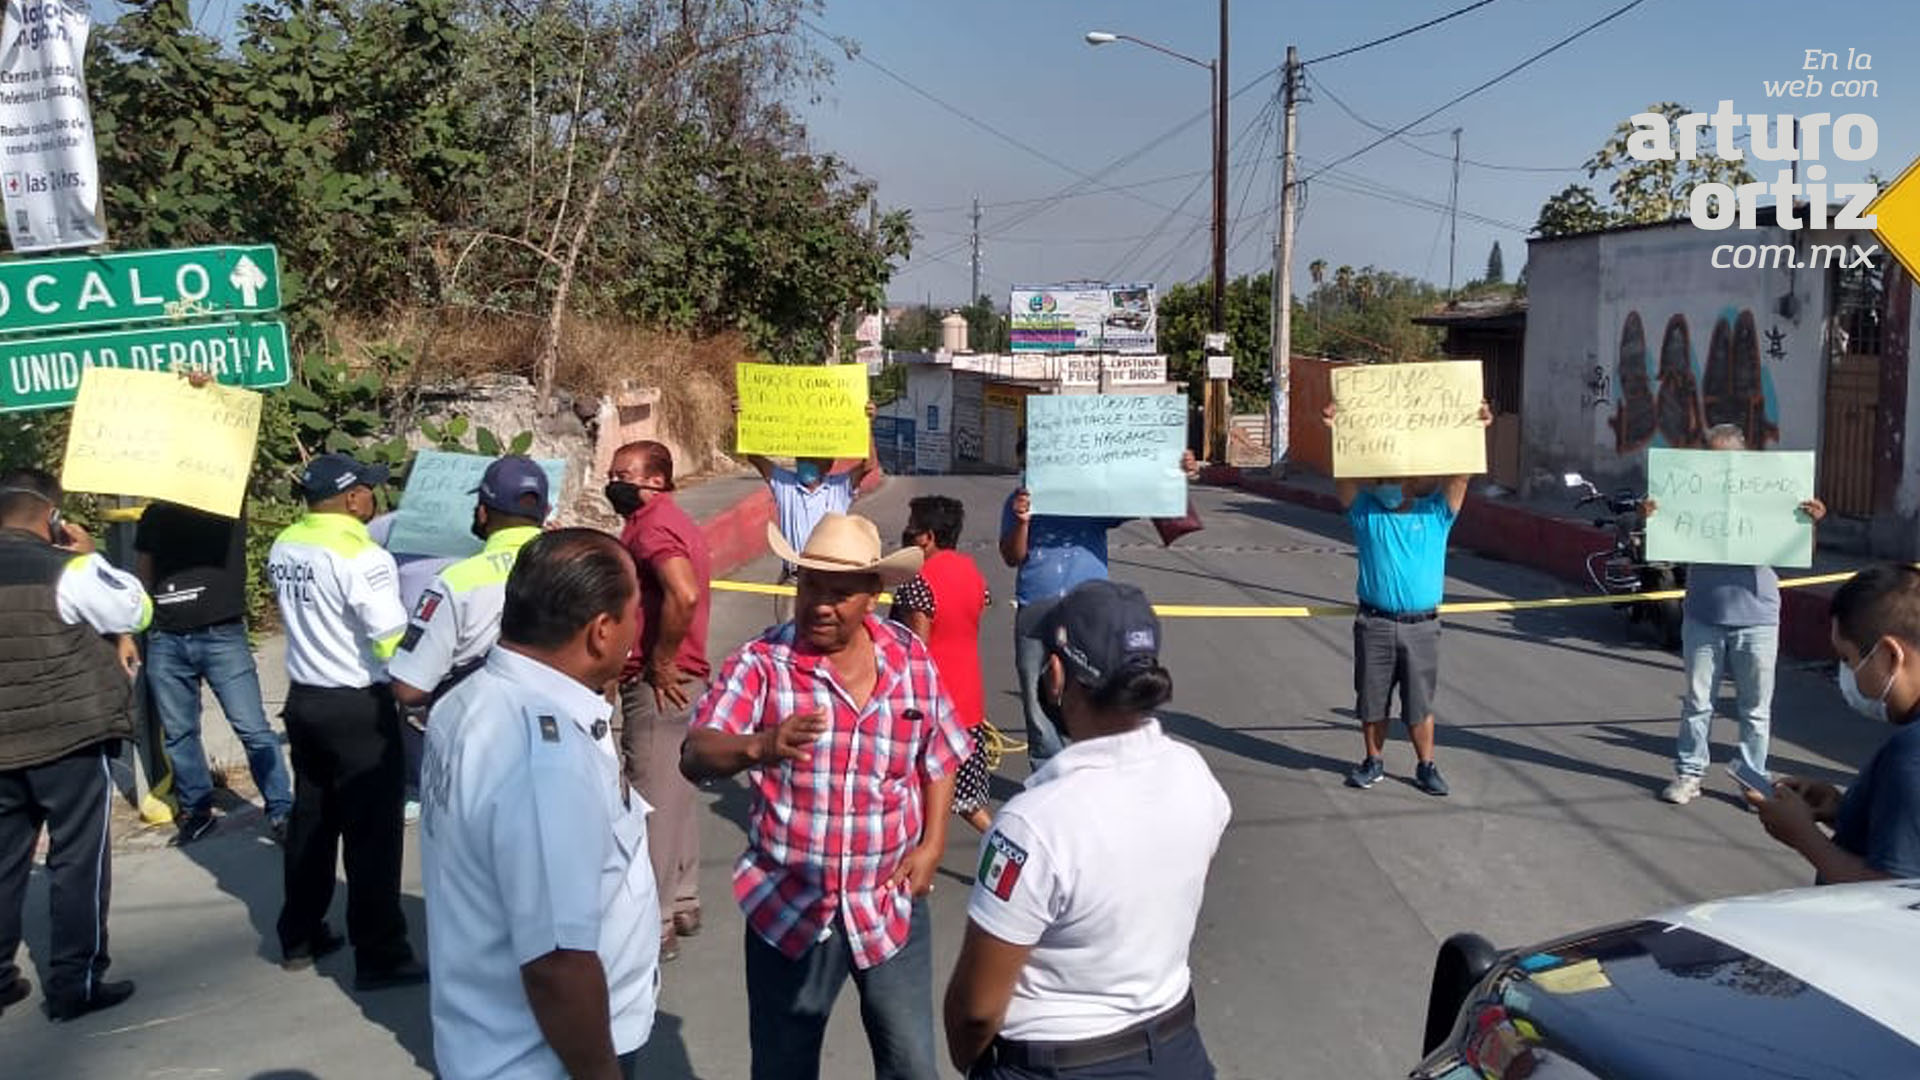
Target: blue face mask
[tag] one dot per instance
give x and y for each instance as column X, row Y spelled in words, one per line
column 1388, row 494
column 808, row 472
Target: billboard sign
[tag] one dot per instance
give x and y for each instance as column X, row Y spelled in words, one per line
column 1083, row 318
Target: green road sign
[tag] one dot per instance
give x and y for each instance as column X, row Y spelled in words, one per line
column 137, row 287
column 44, row 373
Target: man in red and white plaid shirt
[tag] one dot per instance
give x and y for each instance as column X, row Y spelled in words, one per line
column 851, row 745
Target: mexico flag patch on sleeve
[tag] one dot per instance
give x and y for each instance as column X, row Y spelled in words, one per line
column 1000, row 865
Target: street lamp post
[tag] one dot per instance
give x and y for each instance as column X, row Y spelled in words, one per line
column 1218, row 399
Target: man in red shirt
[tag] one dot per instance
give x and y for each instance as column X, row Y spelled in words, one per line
column 666, row 673
column 850, row 743
column 943, row 606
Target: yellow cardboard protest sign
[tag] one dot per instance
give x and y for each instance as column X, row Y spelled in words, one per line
column 802, row 410
column 1408, row 420
column 156, row 435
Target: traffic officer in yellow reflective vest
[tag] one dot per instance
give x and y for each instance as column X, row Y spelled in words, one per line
column 340, row 605
column 458, row 617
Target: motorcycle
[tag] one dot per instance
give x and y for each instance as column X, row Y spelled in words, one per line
column 1623, row 569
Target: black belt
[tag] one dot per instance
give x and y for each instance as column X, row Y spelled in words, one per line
column 1083, row 1053
column 1372, row 612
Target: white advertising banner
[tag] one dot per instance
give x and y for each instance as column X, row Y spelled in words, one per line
column 49, row 176
column 1083, row 318
column 1120, row 370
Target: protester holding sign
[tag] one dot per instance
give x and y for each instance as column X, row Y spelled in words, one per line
column 1052, row 553
column 808, row 492
column 1400, row 529
column 340, row 605
column 1730, row 623
column 66, row 700
column 195, row 564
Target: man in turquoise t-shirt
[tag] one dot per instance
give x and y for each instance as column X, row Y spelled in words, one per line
column 1400, row 529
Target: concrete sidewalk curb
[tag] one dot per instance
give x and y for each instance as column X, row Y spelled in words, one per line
column 738, row 535
column 1555, row 545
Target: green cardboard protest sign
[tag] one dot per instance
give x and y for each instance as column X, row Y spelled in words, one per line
column 1733, row 507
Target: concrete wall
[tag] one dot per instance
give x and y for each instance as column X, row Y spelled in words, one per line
column 1635, row 340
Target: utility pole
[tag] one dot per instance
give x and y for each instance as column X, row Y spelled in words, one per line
column 1453, row 213
column 974, row 296
column 1281, row 319
column 1219, row 400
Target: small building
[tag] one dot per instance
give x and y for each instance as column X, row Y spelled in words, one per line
column 1494, row 332
column 1647, row 335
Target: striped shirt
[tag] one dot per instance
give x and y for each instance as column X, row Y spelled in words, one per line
column 826, row 833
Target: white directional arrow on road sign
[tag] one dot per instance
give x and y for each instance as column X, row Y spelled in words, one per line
column 248, row 278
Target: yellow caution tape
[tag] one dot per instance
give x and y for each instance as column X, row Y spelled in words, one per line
column 1318, row 611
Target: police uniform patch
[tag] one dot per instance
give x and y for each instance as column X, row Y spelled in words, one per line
column 109, row 580
column 549, row 729
column 599, row 730
column 1001, row 864
column 412, row 637
column 429, row 603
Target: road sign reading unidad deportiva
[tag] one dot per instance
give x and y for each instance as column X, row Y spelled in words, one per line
column 137, row 287
column 45, row 373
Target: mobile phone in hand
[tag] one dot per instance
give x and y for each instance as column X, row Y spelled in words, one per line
column 1752, row 779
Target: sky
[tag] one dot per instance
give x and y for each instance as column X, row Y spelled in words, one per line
column 1022, row 68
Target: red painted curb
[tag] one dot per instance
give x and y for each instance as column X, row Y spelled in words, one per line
column 738, row 535
column 1556, row 545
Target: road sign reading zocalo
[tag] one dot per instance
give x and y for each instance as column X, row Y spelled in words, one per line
column 137, row 287
column 44, row 373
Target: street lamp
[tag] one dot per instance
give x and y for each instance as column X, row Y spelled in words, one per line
column 1216, row 410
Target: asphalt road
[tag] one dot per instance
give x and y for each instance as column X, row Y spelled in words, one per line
column 1324, row 905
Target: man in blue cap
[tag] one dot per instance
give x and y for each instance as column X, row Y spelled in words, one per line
column 339, row 599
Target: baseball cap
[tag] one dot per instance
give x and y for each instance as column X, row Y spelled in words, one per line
column 508, row 480
column 1101, row 629
column 330, row 474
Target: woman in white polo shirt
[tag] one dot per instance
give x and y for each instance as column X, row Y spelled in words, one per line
column 1075, row 959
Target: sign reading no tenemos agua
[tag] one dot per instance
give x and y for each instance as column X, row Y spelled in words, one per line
column 1408, row 420
column 436, row 508
column 1733, row 507
column 1107, row 455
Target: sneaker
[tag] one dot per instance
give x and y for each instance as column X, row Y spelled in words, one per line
column 404, row 973
column 194, row 826
column 105, row 996
column 1428, row 779
column 1366, row 774
column 324, row 944
column 16, row 992
column 1682, row 791
column 411, row 812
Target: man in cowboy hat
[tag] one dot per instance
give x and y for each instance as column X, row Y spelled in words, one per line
column 839, row 719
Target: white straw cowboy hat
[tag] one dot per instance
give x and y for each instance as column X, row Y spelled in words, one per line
column 847, row 544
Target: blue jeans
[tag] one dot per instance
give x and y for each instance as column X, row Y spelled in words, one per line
column 1748, row 653
column 1029, row 658
column 789, row 1002
column 176, row 663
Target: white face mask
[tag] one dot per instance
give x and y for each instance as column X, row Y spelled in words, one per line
column 1873, row 708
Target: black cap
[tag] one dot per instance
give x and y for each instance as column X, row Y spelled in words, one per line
column 330, row 474
column 1101, row 629
column 509, row 480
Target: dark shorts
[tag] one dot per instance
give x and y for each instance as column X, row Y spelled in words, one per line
column 1389, row 653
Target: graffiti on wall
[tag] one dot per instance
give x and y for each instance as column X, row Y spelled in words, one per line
column 1674, row 403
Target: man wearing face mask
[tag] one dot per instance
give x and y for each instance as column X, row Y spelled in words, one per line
column 457, row 617
column 808, row 492
column 1876, row 822
column 666, row 673
column 339, row 601
column 1400, row 529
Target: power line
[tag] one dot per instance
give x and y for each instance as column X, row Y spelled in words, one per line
column 1503, row 76
column 1010, row 140
column 1320, row 84
column 1398, row 34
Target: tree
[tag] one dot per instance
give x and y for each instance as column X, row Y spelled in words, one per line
column 1639, row 191
column 988, row 329
column 1496, row 266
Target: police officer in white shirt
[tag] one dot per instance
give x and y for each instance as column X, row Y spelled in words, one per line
column 540, row 895
column 1075, row 959
column 339, row 602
